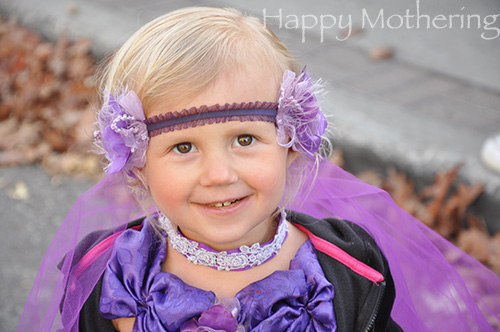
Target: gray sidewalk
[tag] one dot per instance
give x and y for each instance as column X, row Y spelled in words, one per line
column 427, row 109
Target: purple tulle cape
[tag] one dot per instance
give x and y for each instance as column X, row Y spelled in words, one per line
column 438, row 287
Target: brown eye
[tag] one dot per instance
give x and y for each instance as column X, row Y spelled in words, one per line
column 245, row 140
column 184, row 147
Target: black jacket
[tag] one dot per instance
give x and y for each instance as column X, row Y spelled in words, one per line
column 360, row 304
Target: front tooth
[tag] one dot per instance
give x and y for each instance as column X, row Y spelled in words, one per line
column 223, row 204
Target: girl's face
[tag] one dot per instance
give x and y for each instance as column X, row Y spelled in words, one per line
column 221, row 183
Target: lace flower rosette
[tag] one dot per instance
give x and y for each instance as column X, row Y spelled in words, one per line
column 300, row 121
column 122, row 134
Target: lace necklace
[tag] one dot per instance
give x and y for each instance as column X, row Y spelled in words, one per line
column 238, row 259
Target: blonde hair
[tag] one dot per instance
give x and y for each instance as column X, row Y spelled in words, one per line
column 178, row 55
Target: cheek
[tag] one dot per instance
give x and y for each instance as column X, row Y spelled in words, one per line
column 270, row 172
column 164, row 187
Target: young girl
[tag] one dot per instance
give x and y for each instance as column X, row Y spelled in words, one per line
column 211, row 130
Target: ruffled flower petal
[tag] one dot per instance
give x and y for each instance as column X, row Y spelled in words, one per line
column 122, row 133
column 300, row 121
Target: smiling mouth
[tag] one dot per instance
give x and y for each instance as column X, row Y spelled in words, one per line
column 226, row 204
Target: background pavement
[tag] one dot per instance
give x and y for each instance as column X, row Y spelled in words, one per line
column 426, row 109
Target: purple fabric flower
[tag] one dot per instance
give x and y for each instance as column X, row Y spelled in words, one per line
column 300, row 121
column 122, row 132
column 218, row 318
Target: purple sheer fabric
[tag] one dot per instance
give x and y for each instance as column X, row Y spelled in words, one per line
column 134, row 286
column 439, row 288
column 107, row 205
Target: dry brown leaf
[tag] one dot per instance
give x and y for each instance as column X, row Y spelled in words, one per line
column 381, row 53
column 337, row 158
column 442, row 183
column 371, row 177
column 44, row 95
column 13, row 158
column 79, row 67
column 399, row 186
column 466, row 196
column 72, row 8
column 73, row 164
column 7, row 130
column 475, row 243
column 494, row 260
column 83, row 131
column 477, row 223
column 43, row 52
column 446, row 225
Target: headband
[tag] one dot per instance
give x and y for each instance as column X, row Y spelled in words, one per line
column 123, row 132
column 199, row 116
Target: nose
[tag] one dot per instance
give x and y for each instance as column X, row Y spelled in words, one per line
column 218, row 169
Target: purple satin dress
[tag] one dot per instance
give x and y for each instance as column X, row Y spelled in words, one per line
column 299, row 299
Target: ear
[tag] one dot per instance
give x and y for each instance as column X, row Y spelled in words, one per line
column 292, row 155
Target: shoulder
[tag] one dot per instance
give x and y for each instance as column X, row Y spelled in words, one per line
column 90, row 317
column 344, row 235
column 90, row 241
column 352, row 261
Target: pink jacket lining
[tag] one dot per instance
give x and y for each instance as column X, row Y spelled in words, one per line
column 335, row 252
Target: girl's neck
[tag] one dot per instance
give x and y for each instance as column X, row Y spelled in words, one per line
column 229, row 283
column 235, row 259
column 262, row 233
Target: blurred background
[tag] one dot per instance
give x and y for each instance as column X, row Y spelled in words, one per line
column 413, row 93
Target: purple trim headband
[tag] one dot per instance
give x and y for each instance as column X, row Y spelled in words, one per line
column 123, row 132
column 199, row 116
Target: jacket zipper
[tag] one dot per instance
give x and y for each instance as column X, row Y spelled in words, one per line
column 377, row 307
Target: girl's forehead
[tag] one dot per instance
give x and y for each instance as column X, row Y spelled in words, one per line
column 236, row 86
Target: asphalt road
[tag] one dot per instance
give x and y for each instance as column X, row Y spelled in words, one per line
column 28, row 222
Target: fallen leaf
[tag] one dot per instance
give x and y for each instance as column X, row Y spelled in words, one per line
column 45, row 93
column 476, row 244
column 337, row 157
column 381, row 53
column 371, row 177
column 72, row 8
